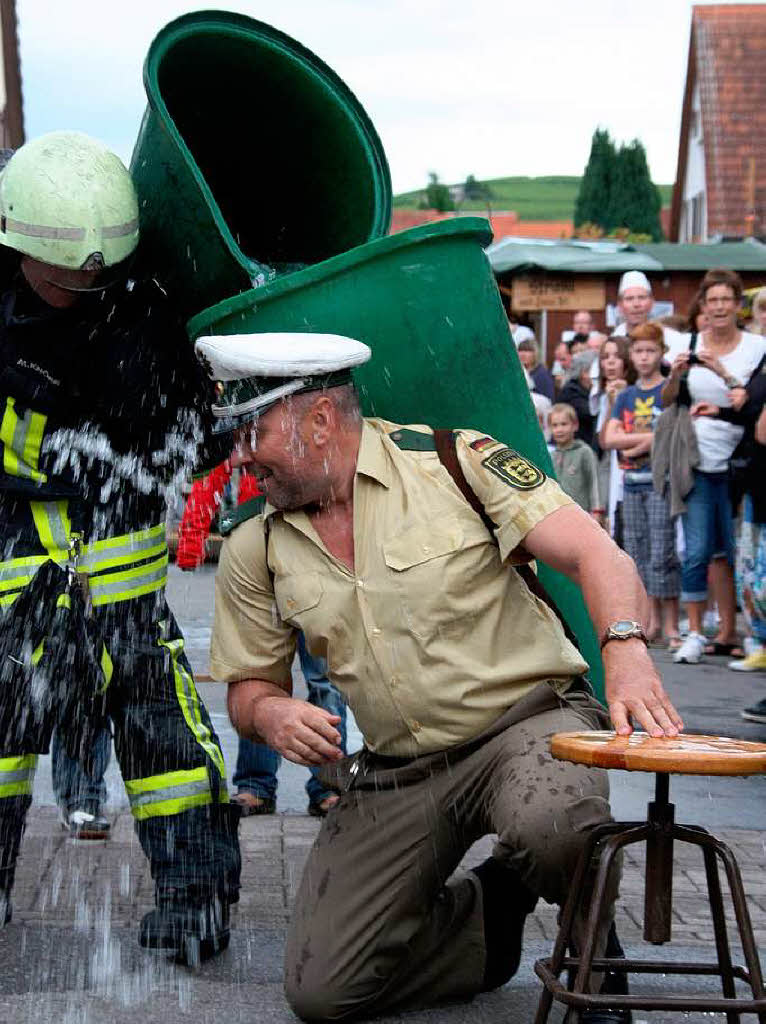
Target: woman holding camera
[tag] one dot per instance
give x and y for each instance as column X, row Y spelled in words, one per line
column 721, row 364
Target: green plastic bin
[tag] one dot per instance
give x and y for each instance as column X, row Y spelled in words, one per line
column 253, row 157
column 427, row 304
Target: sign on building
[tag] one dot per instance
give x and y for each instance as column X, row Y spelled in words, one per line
column 559, row 291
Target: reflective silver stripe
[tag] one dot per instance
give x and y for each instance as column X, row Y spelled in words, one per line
column 21, row 775
column 56, row 524
column 131, row 549
column 13, row 572
column 100, row 586
column 118, row 230
column 158, row 796
column 19, row 441
column 41, row 231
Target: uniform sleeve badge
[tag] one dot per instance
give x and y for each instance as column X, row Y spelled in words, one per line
column 482, row 443
column 514, row 469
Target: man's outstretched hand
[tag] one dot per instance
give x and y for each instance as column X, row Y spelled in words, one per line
column 634, row 691
column 298, row 730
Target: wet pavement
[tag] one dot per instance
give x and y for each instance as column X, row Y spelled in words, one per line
column 70, row 956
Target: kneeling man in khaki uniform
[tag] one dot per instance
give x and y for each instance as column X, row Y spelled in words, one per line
column 456, row 671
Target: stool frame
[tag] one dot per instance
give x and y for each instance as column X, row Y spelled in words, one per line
column 659, row 832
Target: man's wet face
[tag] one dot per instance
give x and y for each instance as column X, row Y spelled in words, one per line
column 274, row 452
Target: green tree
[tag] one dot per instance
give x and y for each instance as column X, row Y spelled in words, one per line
column 634, row 201
column 473, row 189
column 438, row 195
column 592, row 203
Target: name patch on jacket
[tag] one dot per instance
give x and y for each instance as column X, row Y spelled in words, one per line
column 514, row 469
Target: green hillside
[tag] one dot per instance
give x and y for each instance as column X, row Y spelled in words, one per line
column 549, row 198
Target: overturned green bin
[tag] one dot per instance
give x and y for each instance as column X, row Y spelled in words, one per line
column 426, row 303
column 253, row 158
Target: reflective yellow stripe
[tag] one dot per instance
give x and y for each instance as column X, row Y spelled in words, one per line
column 189, row 702
column 53, row 526
column 21, row 438
column 121, row 553
column 37, row 653
column 170, row 793
column 106, row 667
column 17, row 775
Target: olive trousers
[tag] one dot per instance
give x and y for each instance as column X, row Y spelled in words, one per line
column 378, row 923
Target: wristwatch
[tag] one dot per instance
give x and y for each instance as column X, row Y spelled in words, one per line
column 623, row 629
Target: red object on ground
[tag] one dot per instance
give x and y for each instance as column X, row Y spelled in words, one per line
column 200, row 509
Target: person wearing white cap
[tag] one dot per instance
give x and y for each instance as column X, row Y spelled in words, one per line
column 635, row 301
column 372, row 543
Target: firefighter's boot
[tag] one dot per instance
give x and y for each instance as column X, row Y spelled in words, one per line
column 191, row 930
column 6, row 886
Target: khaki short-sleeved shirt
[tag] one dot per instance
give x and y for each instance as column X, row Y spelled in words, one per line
column 433, row 635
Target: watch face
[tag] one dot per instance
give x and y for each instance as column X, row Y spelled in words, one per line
column 623, row 626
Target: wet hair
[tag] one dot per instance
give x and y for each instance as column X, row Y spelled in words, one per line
column 650, row 331
column 623, row 352
column 721, row 275
column 564, row 409
column 344, row 397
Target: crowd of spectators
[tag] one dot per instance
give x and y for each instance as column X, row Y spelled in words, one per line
column 658, row 430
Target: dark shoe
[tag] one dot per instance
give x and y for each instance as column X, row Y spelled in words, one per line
column 190, row 933
column 81, row 824
column 506, row 902
column 321, row 808
column 6, row 885
column 250, row 804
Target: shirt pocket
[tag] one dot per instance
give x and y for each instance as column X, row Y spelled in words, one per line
column 296, row 596
column 432, row 569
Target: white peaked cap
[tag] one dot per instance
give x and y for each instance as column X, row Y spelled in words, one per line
column 234, row 356
column 257, row 370
column 634, row 279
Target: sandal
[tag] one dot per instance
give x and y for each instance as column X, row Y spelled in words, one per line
column 250, row 804
column 321, row 808
column 721, row 650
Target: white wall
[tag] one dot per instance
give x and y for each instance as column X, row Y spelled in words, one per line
column 694, row 182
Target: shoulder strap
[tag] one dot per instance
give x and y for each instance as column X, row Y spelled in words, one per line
column 445, row 449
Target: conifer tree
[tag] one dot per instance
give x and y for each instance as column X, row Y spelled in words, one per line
column 634, row 201
column 591, row 205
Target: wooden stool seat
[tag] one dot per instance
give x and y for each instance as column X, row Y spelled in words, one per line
column 685, row 755
column 682, row 755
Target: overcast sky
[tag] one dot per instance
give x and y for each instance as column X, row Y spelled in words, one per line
column 484, row 87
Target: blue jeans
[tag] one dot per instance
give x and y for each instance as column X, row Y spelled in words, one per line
column 708, row 530
column 73, row 788
column 257, row 764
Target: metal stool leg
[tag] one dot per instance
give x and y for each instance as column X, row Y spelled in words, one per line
column 611, row 848
column 564, row 934
column 719, row 928
column 743, row 923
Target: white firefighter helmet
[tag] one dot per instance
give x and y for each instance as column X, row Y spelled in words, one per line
column 67, row 200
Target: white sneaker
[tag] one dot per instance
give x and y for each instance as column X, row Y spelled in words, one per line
column 83, row 825
column 691, row 651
